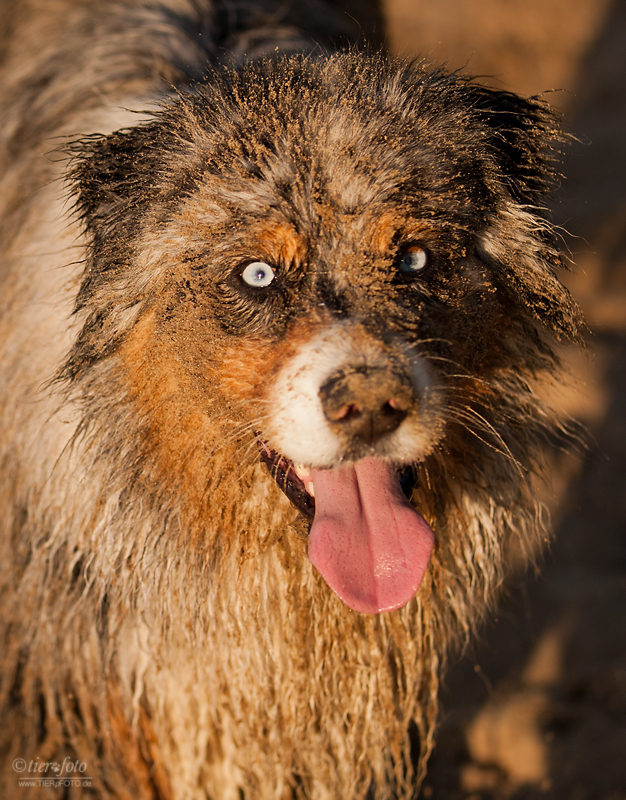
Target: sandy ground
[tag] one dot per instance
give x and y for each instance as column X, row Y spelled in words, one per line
column 537, row 709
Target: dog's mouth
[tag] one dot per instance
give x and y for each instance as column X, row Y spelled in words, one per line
column 368, row 542
column 290, row 479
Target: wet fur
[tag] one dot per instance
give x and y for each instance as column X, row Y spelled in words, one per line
column 161, row 620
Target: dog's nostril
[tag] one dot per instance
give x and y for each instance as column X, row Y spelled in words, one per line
column 392, row 411
column 343, row 413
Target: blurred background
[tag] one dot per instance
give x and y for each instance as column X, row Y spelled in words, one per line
column 537, row 708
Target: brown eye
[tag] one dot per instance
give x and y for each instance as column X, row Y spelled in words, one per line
column 258, row 274
column 413, row 260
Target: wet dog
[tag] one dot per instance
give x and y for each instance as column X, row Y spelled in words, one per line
column 270, row 324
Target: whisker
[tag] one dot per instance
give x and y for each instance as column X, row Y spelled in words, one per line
column 469, row 415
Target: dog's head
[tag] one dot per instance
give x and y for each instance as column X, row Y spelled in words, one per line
column 348, row 260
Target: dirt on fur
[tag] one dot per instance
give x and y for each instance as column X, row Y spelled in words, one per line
column 537, row 709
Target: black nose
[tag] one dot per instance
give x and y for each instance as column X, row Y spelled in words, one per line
column 367, row 403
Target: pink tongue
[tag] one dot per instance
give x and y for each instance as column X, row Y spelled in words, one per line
column 368, row 542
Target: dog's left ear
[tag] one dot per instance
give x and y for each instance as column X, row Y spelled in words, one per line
column 525, row 139
column 114, row 180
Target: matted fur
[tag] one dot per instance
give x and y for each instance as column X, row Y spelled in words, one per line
column 161, row 620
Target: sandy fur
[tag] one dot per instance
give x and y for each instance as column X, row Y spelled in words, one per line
column 161, row 619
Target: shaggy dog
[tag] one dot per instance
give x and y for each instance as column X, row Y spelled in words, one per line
column 271, row 321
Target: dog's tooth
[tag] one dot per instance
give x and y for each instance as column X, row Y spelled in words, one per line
column 302, row 472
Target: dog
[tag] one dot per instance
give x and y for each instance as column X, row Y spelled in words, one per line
column 273, row 309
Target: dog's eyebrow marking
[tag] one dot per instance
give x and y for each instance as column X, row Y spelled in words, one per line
column 393, row 228
column 385, row 230
column 284, row 245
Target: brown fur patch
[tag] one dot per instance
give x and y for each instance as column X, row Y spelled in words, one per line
column 392, row 228
column 282, row 244
column 246, row 368
column 139, row 753
column 177, row 423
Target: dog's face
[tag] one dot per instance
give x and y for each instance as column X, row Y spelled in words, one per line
column 345, row 259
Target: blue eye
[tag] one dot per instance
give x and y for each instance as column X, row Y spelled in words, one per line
column 258, row 274
column 413, row 259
